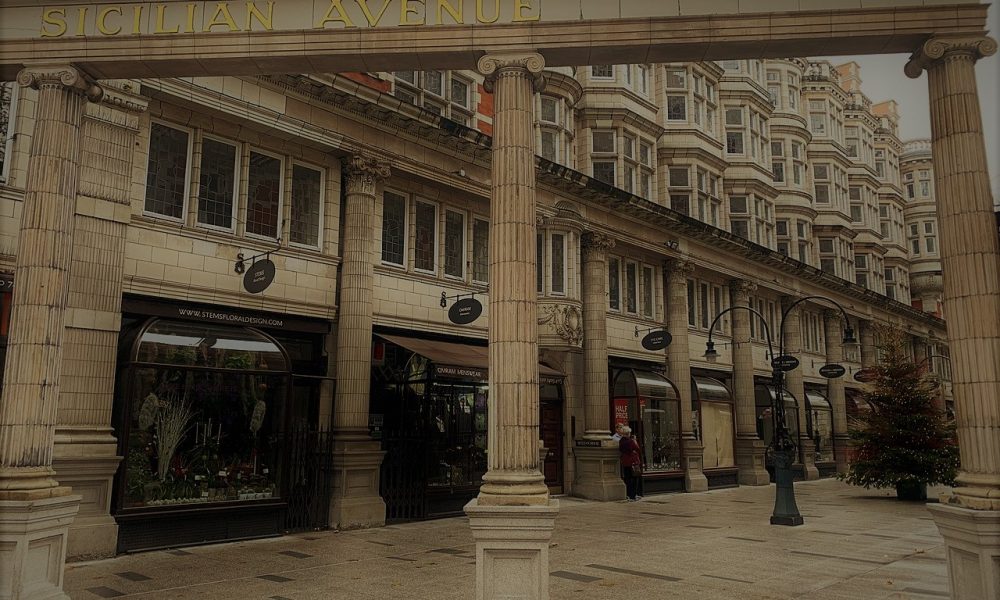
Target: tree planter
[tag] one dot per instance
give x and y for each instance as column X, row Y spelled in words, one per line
column 911, row 490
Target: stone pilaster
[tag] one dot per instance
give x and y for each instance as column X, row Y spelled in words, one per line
column 834, row 334
column 792, row 328
column 597, row 470
column 679, row 372
column 35, row 512
column 866, row 337
column 85, row 453
column 970, row 261
column 750, row 449
column 356, row 457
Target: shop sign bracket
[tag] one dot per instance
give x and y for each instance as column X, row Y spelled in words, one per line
column 259, row 276
column 466, row 310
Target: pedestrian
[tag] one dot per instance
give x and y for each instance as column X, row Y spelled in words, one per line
column 618, row 432
column 631, row 463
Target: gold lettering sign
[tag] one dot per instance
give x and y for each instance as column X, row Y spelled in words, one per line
column 214, row 16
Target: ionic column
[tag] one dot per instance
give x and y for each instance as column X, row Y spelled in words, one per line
column 679, row 372
column 357, row 457
column 35, row 511
column 85, row 454
column 513, row 516
column 834, row 333
column 796, row 385
column 749, row 448
column 597, row 456
column 970, row 261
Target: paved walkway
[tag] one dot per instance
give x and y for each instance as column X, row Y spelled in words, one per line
column 855, row 544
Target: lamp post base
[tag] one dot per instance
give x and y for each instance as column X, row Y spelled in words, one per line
column 786, row 512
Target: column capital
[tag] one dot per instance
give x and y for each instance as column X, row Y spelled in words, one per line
column 526, row 64
column 742, row 289
column 832, row 316
column 67, row 76
column 366, row 171
column 678, row 267
column 937, row 48
column 596, row 244
column 788, row 300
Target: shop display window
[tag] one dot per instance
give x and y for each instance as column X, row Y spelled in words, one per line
column 820, row 425
column 649, row 404
column 713, row 417
column 764, row 398
column 205, row 409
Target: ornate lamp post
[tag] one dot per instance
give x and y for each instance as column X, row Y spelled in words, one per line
column 786, row 512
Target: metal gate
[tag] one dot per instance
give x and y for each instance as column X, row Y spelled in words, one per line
column 309, row 479
column 404, row 477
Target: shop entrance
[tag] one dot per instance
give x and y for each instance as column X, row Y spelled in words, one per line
column 551, row 424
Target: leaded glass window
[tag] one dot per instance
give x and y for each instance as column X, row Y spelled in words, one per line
column 393, row 228
column 614, row 284
column 454, row 243
column 480, row 250
column 558, row 263
column 426, row 226
column 307, row 197
column 166, row 172
column 647, row 291
column 263, row 195
column 631, row 284
column 217, row 186
column 540, row 262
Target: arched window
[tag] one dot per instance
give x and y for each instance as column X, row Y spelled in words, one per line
column 764, row 398
column 650, row 404
column 714, row 406
column 820, row 424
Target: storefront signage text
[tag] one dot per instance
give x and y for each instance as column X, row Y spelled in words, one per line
column 166, row 18
column 465, row 311
column 866, row 376
column 259, row 276
column 656, row 340
column 832, row 371
column 785, row 363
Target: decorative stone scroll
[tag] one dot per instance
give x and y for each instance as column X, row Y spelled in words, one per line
column 504, row 65
column 37, row 77
column 364, row 172
column 938, row 48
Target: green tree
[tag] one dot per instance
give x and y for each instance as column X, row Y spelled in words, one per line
column 904, row 440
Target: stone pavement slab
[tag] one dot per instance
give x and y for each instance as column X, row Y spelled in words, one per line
column 855, row 545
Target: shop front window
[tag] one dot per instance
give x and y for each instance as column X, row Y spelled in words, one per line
column 820, row 425
column 649, row 404
column 713, row 409
column 205, row 409
column 764, row 398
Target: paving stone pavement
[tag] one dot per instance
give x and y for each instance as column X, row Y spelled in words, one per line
column 855, row 545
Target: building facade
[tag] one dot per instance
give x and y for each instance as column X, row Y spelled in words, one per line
column 192, row 409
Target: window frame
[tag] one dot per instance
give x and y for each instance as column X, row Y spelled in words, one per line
column 464, row 252
column 406, row 228
column 238, row 175
column 283, row 172
column 437, row 234
column 322, row 204
column 473, row 219
column 186, row 204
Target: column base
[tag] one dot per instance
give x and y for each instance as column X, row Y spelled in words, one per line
column 87, row 460
column 33, row 539
column 598, row 471
column 972, row 543
column 694, row 476
column 356, row 503
column 750, row 460
column 808, row 450
column 512, row 549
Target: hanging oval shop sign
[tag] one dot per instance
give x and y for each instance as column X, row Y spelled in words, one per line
column 865, row 376
column 259, row 276
column 785, row 363
column 657, row 340
column 832, row 371
column 465, row 311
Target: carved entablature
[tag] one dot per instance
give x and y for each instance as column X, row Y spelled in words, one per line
column 39, row 76
column 743, row 290
column 364, row 172
column 529, row 64
column 937, row 48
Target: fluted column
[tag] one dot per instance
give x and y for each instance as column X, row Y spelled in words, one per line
column 357, row 458
column 679, row 372
column 35, row 511
column 513, row 517
column 749, row 448
column 834, row 334
column 970, row 261
column 869, row 354
column 970, row 257
column 796, row 385
column 597, row 457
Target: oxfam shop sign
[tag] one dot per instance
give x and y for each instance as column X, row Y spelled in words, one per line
column 166, row 18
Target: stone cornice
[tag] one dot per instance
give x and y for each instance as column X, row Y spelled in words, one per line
column 937, row 48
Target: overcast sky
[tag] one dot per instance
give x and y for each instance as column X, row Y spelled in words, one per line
column 883, row 79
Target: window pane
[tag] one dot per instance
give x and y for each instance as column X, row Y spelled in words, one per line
column 681, row 203
column 614, row 293
column 540, row 262
column 454, row 243
column 734, row 142
column 263, row 195
column 604, row 141
column 605, row 171
column 738, row 204
column 558, row 263
column 460, row 92
column 679, row 177
column 647, row 291
column 393, row 228
column 676, row 108
column 166, row 172
column 692, row 307
column 717, row 434
column 480, row 250
column 676, row 78
column 602, row 71
column 549, row 145
column 548, row 109
column 426, row 225
column 631, row 280
column 433, row 81
column 703, row 305
column 306, row 198
column 217, row 184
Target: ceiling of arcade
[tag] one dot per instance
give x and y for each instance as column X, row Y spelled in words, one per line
column 116, row 39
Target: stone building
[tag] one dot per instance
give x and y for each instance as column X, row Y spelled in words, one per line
column 341, row 394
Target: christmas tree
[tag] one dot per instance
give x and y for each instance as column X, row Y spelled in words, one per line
column 904, row 440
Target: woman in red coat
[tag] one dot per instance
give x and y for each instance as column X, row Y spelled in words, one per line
column 631, row 461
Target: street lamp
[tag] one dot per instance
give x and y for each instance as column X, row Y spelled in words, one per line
column 786, row 512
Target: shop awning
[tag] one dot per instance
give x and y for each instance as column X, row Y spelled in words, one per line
column 817, row 400
column 460, row 360
column 711, row 390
